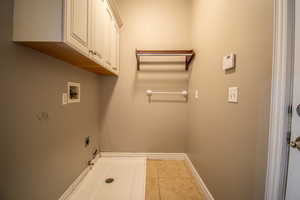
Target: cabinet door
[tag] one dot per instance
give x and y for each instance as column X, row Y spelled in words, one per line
column 118, row 51
column 115, row 48
column 108, row 37
column 77, row 24
column 98, row 30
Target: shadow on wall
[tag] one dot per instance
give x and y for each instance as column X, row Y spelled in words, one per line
column 162, row 74
column 106, row 94
column 127, row 114
column 42, row 141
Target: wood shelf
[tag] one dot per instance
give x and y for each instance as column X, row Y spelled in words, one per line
column 63, row 52
column 189, row 55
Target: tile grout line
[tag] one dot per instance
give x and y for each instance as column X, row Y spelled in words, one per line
column 157, row 172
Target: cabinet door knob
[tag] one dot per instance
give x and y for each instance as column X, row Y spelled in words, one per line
column 93, row 52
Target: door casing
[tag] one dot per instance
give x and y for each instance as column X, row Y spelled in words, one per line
column 281, row 99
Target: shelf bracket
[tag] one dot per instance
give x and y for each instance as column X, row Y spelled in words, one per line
column 189, row 55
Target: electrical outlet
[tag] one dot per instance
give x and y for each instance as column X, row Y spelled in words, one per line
column 64, row 98
column 196, row 94
column 233, row 93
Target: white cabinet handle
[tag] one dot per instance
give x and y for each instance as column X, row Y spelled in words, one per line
column 98, row 54
column 95, row 53
column 109, row 13
column 92, row 52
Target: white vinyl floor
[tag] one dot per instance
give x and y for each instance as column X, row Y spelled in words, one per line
column 129, row 176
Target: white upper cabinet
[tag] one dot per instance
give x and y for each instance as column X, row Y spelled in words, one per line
column 81, row 32
column 98, row 31
column 111, row 41
column 108, row 36
column 104, row 35
column 114, row 48
column 77, row 24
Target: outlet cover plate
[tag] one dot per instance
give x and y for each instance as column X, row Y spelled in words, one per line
column 64, row 98
column 233, row 93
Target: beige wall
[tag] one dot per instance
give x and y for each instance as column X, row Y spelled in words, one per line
column 129, row 122
column 40, row 159
column 228, row 142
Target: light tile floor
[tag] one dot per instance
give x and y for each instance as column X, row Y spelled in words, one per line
column 170, row 180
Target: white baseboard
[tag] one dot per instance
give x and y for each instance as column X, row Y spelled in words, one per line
column 77, row 181
column 198, row 179
column 158, row 156
column 73, row 186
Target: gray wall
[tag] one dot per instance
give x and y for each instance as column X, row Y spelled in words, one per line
column 40, row 159
column 130, row 123
column 228, row 142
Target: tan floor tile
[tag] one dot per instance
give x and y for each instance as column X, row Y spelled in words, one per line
column 152, row 189
column 173, row 168
column 152, row 168
column 178, row 189
column 171, row 180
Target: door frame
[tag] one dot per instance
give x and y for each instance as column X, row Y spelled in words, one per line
column 281, row 99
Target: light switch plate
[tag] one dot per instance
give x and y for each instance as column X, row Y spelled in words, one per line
column 196, row 94
column 233, row 93
column 229, row 61
column 64, row 98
